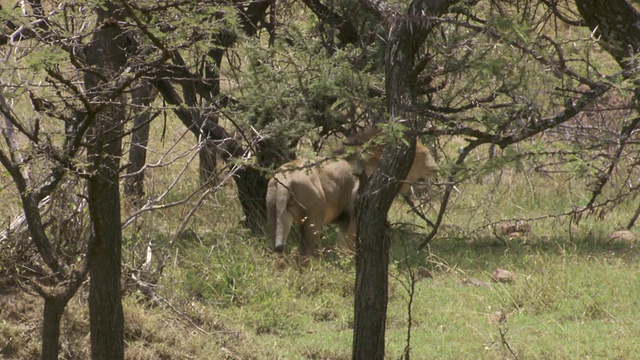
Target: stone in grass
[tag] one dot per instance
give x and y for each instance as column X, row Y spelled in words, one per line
column 503, row 276
column 623, row 236
column 424, row 273
column 510, row 229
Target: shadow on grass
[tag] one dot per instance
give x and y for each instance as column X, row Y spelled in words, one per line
column 452, row 248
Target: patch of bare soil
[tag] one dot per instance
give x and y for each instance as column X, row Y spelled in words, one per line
column 19, row 324
column 153, row 329
column 151, row 332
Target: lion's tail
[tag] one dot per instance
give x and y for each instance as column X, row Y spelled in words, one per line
column 278, row 215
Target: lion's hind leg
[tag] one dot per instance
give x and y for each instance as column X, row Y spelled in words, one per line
column 311, row 229
column 280, row 217
column 284, row 228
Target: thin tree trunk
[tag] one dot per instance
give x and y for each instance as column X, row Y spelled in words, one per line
column 56, row 299
column 134, row 183
column 208, row 164
column 208, row 155
column 67, row 279
column 105, row 305
column 372, row 251
column 53, row 310
column 372, row 261
column 107, row 54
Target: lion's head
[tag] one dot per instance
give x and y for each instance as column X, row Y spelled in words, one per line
column 423, row 167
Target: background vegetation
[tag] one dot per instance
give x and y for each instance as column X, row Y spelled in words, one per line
column 532, row 121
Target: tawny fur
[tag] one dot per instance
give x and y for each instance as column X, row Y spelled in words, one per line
column 317, row 192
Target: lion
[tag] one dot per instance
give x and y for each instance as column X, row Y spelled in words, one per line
column 317, row 192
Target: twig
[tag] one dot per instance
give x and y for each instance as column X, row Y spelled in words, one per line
column 503, row 329
column 417, row 211
column 147, row 290
column 410, row 288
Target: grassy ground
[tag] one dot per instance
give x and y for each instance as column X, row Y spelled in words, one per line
column 570, row 299
column 223, row 296
column 574, row 295
column 227, row 300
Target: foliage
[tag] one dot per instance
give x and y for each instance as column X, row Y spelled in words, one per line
column 529, row 116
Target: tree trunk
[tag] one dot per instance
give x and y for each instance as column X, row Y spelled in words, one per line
column 53, row 310
column 208, row 164
column 134, row 183
column 616, row 24
column 252, row 193
column 251, row 183
column 208, row 153
column 107, row 54
column 105, row 306
column 372, row 261
column 377, row 194
column 372, row 250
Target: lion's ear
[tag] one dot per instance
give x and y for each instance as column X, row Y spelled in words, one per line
column 358, row 167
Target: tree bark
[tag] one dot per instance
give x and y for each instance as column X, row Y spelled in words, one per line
column 372, row 254
column 208, row 164
column 134, row 183
column 208, row 157
column 52, row 314
column 617, row 25
column 376, row 195
column 107, row 54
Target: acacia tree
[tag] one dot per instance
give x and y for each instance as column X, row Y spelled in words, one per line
column 372, row 246
column 186, row 73
column 58, row 276
column 74, row 135
column 106, row 117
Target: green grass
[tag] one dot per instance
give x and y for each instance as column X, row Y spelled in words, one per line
column 575, row 295
column 574, row 302
column 223, row 295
